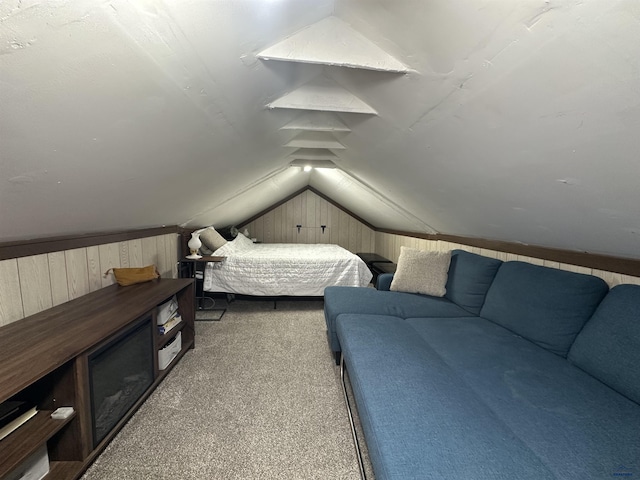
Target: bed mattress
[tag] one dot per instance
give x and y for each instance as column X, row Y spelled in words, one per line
column 283, row 269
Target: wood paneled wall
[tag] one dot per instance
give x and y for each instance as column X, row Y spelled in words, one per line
column 311, row 212
column 388, row 245
column 31, row 284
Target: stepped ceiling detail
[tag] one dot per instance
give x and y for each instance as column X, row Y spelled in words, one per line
column 331, row 41
column 323, row 94
column 514, row 121
column 317, row 122
column 315, row 140
column 313, row 154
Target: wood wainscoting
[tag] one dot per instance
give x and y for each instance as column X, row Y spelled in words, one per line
column 311, row 210
column 60, row 270
column 388, row 245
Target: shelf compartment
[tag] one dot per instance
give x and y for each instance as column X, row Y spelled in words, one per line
column 165, row 338
column 181, row 353
column 24, row 441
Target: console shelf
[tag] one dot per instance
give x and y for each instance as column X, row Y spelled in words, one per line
column 26, row 439
column 163, row 339
column 44, row 360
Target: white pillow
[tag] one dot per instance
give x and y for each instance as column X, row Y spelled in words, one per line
column 421, row 272
column 211, row 239
column 243, row 242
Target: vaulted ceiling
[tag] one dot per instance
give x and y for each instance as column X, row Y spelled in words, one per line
column 516, row 121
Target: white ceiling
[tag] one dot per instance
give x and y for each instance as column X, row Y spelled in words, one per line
column 516, row 121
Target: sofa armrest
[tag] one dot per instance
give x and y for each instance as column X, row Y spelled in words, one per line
column 384, row 281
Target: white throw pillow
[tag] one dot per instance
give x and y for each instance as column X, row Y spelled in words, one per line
column 243, row 242
column 212, row 239
column 421, row 272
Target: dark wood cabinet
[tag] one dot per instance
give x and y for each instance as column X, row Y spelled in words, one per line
column 44, row 361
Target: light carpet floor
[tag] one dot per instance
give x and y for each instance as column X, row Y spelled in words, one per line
column 258, row 398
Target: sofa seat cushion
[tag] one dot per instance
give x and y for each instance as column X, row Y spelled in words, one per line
column 544, row 305
column 608, row 347
column 339, row 300
column 579, row 427
column 420, row 419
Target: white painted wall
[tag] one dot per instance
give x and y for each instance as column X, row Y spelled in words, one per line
column 517, row 121
column 521, row 124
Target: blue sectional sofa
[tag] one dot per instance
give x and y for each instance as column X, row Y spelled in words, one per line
column 518, row 372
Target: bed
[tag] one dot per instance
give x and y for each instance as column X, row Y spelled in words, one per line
column 283, row 269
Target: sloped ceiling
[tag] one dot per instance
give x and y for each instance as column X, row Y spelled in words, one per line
column 515, row 121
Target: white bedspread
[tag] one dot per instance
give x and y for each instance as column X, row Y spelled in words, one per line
column 275, row 269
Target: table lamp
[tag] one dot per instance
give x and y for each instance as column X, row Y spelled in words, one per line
column 194, row 245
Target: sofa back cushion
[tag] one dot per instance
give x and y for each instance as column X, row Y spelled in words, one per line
column 470, row 277
column 544, row 305
column 608, row 347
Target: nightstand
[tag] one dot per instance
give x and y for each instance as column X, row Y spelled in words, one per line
column 194, row 268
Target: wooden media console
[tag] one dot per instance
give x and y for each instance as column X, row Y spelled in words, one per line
column 44, row 361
